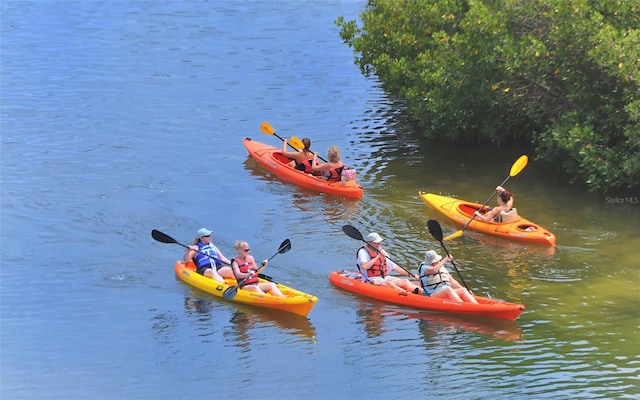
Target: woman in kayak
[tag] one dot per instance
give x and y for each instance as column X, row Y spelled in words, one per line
column 300, row 159
column 246, row 272
column 208, row 259
column 332, row 170
column 505, row 204
column 375, row 266
column 438, row 282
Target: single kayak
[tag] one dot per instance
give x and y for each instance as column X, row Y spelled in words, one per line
column 296, row 301
column 489, row 308
column 460, row 211
column 272, row 160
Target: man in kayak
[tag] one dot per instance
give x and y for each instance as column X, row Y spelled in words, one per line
column 438, row 282
column 505, row 204
column 375, row 266
column 208, row 259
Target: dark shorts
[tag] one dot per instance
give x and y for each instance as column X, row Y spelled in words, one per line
column 201, row 270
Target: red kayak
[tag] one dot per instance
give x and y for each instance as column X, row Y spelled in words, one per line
column 490, row 308
column 273, row 161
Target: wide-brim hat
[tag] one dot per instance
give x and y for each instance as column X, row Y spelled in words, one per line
column 373, row 237
column 431, row 256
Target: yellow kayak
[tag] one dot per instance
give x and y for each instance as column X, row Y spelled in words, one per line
column 296, row 302
column 460, row 211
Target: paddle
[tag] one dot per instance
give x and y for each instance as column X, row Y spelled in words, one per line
column 268, row 129
column 164, row 238
column 297, row 144
column 231, row 291
column 436, row 231
column 516, row 168
column 354, row 233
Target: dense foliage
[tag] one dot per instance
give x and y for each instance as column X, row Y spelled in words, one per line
column 562, row 75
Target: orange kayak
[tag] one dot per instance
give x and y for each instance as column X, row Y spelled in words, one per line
column 273, row 161
column 460, row 211
column 489, row 308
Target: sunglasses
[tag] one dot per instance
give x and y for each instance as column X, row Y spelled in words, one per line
column 246, row 249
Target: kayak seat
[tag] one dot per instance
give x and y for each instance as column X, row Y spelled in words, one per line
column 509, row 216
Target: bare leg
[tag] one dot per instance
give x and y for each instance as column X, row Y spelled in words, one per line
column 272, row 289
column 406, row 285
column 226, row 272
column 447, row 293
column 391, row 285
column 466, row 296
column 211, row 273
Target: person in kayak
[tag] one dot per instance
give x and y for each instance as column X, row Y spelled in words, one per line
column 208, row 259
column 375, row 266
column 332, row 170
column 505, row 205
column 438, row 282
column 246, row 272
column 300, row 159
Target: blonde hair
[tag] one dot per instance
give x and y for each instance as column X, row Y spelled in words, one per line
column 239, row 244
column 333, row 154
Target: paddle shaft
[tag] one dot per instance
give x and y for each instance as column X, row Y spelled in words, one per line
column 485, row 203
column 268, row 129
column 231, row 291
column 436, row 231
column 455, row 266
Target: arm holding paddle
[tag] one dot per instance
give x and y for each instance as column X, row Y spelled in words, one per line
column 516, row 168
column 374, row 263
column 505, row 203
column 248, row 268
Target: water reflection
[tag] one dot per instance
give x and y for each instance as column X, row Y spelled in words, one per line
column 311, row 202
column 244, row 319
column 434, row 326
column 372, row 319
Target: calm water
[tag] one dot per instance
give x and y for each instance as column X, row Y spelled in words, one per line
column 122, row 117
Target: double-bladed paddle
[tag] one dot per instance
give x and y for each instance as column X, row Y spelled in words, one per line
column 231, row 291
column 268, row 129
column 436, row 231
column 164, row 238
column 354, row 233
column 516, row 168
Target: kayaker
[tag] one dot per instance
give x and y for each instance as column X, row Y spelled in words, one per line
column 246, row 272
column 375, row 266
column 505, row 204
column 331, row 170
column 300, row 159
column 208, row 259
column 438, row 282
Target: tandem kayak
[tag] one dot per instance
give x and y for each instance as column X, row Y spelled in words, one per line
column 296, row 301
column 489, row 308
column 460, row 211
column 273, row 161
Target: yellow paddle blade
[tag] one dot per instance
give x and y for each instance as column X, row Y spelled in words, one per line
column 519, row 165
column 454, row 235
column 266, row 128
column 297, row 143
